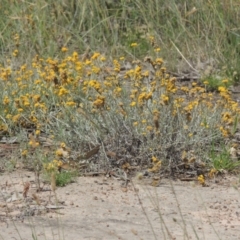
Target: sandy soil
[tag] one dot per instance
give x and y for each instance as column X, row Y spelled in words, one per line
column 100, row 208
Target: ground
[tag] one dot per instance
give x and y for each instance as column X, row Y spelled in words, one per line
column 101, row 208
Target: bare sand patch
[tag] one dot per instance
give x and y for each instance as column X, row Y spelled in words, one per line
column 100, row 208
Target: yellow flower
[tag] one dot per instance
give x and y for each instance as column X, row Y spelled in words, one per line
column 135, row 123
column 134, row 44
column 59, row 153
column 225, row 81
column 185, row 89
column 4, row 127
column 24, row 153
column 201, row 179
column 137, row 70
column 95, row 56
column 16, row 37
column 225, row 132
column 165, row 99
column 25, row 101
column 88, row 62
column 148, row 96
column 204, row 124
column 33, row 143
column 212, row 172
column 132, row 104
column 159, row 61
column 70, row 103
column 149, row 128
column 62, row 145
column 37, row 132
column 155, row 112
column 103, row 59
column 134, row 92
column 145, row 74
column 41, row 105
column 64, row 49
column 117, row 65
column 6, row 100
column 37, row 81
column 205, row 82
column 62, row 91
column 16, row 118
column 154, row 159
column 57, row 163
column 99, row 102
column 53, row 166
column 142, row 96
column 222, row 89
column 96, row 85
column 107, row 84
column 75, row 56
column 33, row 119
column 156, row 166
column 226, row 117
column 117, row 90
column 151, row 39
column 9, row 116
column 36, row 98
column 15, row 53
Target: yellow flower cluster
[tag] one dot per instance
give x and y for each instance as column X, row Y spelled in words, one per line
column 201, row 180
column 53, row 166
column 156, row 165
column 47, row 91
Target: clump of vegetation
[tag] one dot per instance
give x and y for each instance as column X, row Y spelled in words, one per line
column 100, row 114
column 213, row 83
column 108, row 109
column 223, row 161
column 62, row 178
